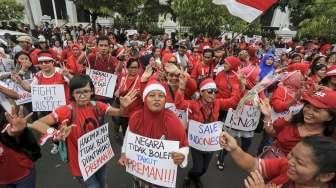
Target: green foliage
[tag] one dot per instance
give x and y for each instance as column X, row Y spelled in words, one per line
column 11, row 10
column 205, row 17
column 313, row 18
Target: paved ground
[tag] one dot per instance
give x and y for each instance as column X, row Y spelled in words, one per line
column 52, row 173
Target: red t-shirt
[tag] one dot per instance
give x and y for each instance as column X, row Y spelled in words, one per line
column 274, row 170
column 56, row 78
column 106, row 63
column 287, row 135
column 86, row 120
column 13, row 165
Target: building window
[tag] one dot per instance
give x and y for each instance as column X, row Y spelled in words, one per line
column 47, row 8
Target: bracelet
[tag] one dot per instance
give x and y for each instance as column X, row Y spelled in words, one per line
column 268, row 123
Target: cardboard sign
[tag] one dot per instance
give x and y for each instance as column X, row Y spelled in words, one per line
column 94, row 150
column 47, row 97
column 4, row 101
column 103, row 82
column 292, row 109
column 150, row 159
column 246, row 119
column 25, row 96
column 204, row 136
column 181, row 114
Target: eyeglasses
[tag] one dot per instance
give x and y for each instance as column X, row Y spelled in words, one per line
column 211, row 91
column 173, row 62
column 207, row 57
column 84, row 92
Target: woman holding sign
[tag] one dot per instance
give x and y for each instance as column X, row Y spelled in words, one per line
column 204, row 110
column 317, row 117
column 82, row 114
column 311, row 163
column 154, row 121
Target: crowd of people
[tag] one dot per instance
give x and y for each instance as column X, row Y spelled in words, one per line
column 205, row 77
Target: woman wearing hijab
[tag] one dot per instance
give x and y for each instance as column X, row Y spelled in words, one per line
column 204, row 110
column 266, row 65
column 288, row 92
column 77, row 61
column 127, row 83
column 154, row 121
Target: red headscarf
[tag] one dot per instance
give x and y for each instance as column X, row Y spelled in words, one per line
column 292, row 83
column 154, row 125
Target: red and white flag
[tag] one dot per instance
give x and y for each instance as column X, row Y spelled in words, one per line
column 247, row 10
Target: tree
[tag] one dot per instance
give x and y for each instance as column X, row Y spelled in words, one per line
column 313, row 18
column 205, row 17
column 11, row 10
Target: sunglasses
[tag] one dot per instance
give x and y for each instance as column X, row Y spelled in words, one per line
column 211, row 91
column 207, row 57
column 173, row 62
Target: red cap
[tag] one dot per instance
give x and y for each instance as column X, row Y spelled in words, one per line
column 331, row 71
column 45, row 56
column 323, row 98
column 324, row 48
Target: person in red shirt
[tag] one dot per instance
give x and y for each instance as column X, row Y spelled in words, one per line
column 288, row 92
column 311, row 163
column 316, row 118
column 49, row 74
column 205, row 67
column 154, row 121
column 87, row 119
column 19, row 151
column 204, row 110
column 102, row 60
column 77, row 61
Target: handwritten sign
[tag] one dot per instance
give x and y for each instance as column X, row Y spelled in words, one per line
column 4, row 101
column 204, row 136
column 180, row 114
column 150, row 159
column 94, row 150
column 47, row 97
column 25, row 96
column 246, row 119
column 292, row 109
column 104, row 82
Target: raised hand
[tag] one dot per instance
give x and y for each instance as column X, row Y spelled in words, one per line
column 254, row 180
column 265, row 107
column 16, row 78
column 147, row 74
column 64, row 70
column 184, row 76
column 228, row 142
column 128, row 98
column 17, row 122
column 178, row 158
column 64, row 130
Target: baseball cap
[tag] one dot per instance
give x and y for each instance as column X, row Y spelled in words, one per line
column 322, row 98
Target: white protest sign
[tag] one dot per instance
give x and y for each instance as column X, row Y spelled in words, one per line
column 25, row 96
column 292, row 109
column 246, row 119
column 204, row 136
column 4, row 101
column 181, row 114
column 47, row 97
column 150, row 159
column 94, row 150
column 104, row 82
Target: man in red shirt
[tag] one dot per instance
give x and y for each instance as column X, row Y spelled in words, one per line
column 102, row 60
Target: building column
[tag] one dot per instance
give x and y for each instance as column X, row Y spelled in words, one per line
column 72, row 11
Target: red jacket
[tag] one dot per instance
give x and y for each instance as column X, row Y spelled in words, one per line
column 195, row 107
column 228, row 86
column 280, row 101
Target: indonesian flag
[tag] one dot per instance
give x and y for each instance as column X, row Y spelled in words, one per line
column 247, row 10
